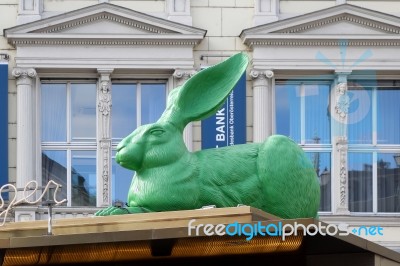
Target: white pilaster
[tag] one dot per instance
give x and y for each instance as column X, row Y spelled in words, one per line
column 29, row 10
column 179, row 11
column 180, row 77
column 339, row 112
column 25, row 79
column 263, row 83
column 104, row 138
column 265, row 11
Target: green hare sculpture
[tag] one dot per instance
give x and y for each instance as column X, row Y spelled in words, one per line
column 274, row 176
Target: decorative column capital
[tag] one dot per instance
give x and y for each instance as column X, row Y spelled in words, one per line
column 184, row 73
column 261, row 77
column 260, row 74
column 181, row 75
column 106, row 71
column 24, row 76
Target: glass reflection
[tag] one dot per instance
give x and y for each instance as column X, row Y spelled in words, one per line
column 153, row 102
column 83, row 178
column 54, row 112
column 360, row 115
column 287, row 103
column 123, row 110
column 360, row 182
column 303, row 107
column 83, row 112
column 388, row 109
column 388, row 182
column 121, row 181
column 322, row 165
column 54, row 167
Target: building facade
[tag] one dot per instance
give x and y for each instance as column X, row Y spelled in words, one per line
column 83, row 74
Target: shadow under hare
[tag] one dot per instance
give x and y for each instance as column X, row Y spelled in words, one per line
column 274, row 176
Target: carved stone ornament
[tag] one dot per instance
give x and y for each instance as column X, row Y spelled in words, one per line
column 342, row 101
column 24, row 75
column 185, row 74
column 255, row 74
column 105, row 146
column 341, row 146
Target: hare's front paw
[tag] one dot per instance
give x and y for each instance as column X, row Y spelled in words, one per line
column 118, row 211
column 111, row 211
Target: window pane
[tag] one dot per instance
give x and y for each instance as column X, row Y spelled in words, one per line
column 388, row 104
column 360, row 115
column 317, row 117
column 153, row 102
column 287, row 102
column 123, row 110
column 54, row 112
column 83, row 178
column 360, row 182
column 83, row 112
column 121, row 181
column 388, row 182
column 322, row 166
column 54, row 167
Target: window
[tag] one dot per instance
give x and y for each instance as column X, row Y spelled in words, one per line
column 374, row 145
column 69, row 141
column 302, row 113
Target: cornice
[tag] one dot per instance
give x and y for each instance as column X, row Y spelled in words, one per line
column 36, row 39
column 106, row 42
column 318, row 41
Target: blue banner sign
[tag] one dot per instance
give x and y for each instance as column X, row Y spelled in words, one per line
column 3, row 123
column 228, row 126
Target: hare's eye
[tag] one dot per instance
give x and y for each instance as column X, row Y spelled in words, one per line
column 157, row 132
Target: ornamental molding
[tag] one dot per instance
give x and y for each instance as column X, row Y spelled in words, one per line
column 319, row 42
column 341, row 147
column 104, row 16
column 105, row 146
column 346, row 17
column 105, row 42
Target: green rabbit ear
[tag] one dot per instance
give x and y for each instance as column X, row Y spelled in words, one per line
column 203, row 94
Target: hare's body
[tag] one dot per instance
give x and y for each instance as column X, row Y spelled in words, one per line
column 275, row 176
column 231, row 179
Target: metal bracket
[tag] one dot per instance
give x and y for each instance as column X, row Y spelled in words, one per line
column 4, row 57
